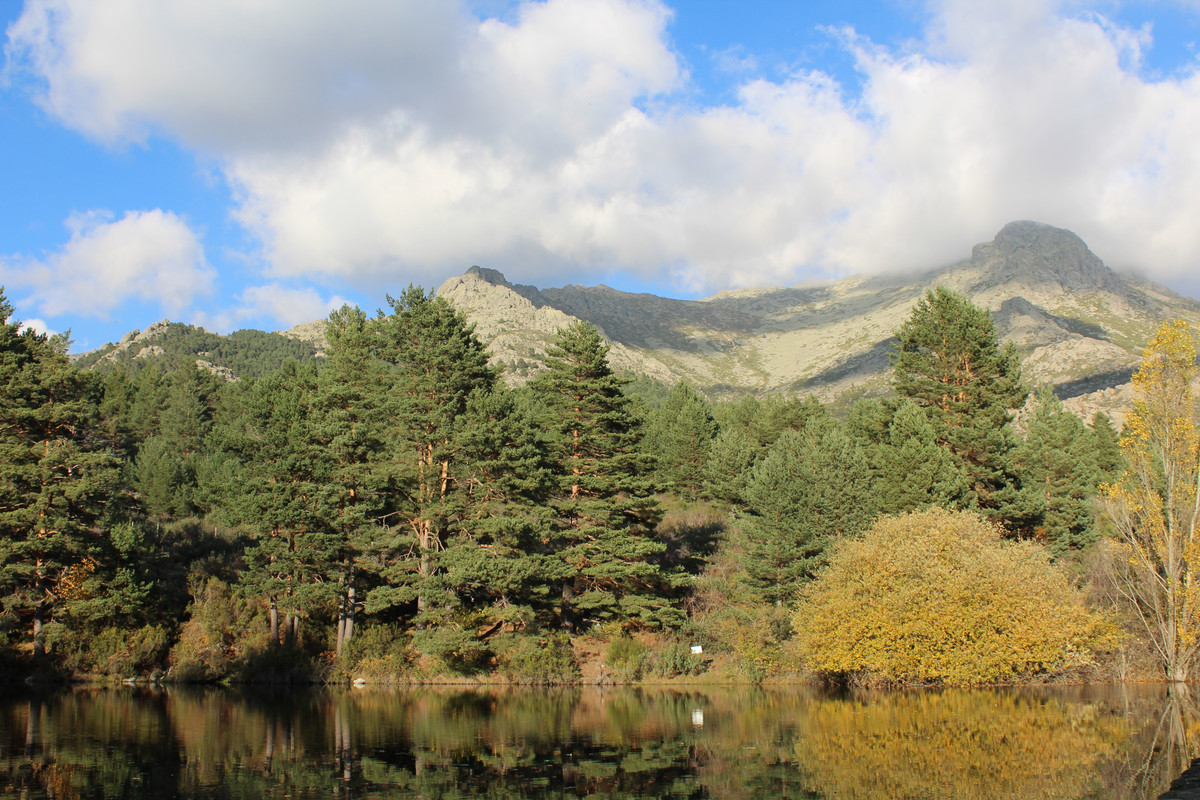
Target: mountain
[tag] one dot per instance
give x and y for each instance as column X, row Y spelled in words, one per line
column 246, row 353
column 1078, row 324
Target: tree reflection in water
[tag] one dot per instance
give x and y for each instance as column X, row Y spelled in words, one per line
column 581, row 742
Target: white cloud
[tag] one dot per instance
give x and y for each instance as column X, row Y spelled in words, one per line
column 273, row 305
column 37, row 326
column 380, row 139
column 149, row 255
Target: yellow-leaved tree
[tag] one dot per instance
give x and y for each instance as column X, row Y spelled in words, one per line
column 939, row 597
column 1154, row 507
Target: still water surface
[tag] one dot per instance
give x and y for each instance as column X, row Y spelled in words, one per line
column 593, row 742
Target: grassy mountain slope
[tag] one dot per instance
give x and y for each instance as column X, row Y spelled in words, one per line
column 1078, row 324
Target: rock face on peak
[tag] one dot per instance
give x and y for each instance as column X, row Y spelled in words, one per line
column 1078, row 324
column 1035, row 253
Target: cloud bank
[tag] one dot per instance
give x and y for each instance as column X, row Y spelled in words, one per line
column 377, row 141
column 147, row 255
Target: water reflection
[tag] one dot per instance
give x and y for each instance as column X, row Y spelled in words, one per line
column 617, row 743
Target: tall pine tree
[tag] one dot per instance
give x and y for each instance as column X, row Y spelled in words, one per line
column 680, row 436
column 56, row 480
column 812, row 487
column 436, row 363
column 1057, row 464
column 949, row 363
column 606, row 510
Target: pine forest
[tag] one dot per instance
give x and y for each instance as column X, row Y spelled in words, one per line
column 394, row 511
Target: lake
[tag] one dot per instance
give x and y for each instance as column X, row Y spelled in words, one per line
column 601, row 742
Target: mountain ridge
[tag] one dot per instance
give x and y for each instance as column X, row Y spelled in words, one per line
column 1078, row 324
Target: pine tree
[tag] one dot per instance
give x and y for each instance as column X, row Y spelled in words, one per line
column 278, row 482
column 349, row 429
column 948, row 361
column 730, row 459
column 679, row 436
column 436, row 362
column 496, row 566
column 1057, row 462
column 1106, row 443
column 812, row 487
column 913, row 472
column 605, row 510
column 169, row 461
column 56, row 480
column 747, row 428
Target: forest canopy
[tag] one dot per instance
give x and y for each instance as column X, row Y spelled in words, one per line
column 394, row 509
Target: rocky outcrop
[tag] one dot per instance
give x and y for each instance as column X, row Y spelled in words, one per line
column 311, row 332
column 139, row 344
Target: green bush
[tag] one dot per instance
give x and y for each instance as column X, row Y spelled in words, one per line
column 223, row 633
column 377, row 652
column 677, row 659
column 111, row 652
column 937, row 597
column 628, row 658
column 526, row 658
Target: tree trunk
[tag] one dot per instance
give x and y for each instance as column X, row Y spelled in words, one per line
column 39, row 615
column 567, row 614
column 273, row 617
column 341, row 625
column 350, row 603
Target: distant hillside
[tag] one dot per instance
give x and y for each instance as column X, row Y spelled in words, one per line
column 241, row 354
column 1078, row 324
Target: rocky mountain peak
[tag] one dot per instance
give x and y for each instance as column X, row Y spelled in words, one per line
column 492, row 276
column 1042, row 256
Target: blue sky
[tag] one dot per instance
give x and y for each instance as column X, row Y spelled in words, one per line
column 255, row 165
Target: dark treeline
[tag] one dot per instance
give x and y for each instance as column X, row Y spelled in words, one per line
column 396, row 509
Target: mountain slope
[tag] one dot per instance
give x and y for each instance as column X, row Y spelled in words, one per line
column 1078, row 324
column 245, row 353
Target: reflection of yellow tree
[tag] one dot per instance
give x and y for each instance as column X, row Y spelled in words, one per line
column 1153, row 508
column 1173, row 742
column 955, row 744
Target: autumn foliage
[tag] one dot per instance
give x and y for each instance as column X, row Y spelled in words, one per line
column 936, row 597
column 1154, row 507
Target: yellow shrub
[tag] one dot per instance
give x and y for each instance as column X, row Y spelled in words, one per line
column 938, row 597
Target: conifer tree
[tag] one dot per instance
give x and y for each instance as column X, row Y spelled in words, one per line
column 496, row 569
column 1057, row 463
column 349, row 428
column 1107, row 444
column 733, row 453
column 56, row 482
column 913, row 472
column 606, row 509
column 679, row 436
column 436, row 363
column 948, row 361
column 278, row 482
column 169, row 462
column 812, row 487
column 747, row 428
